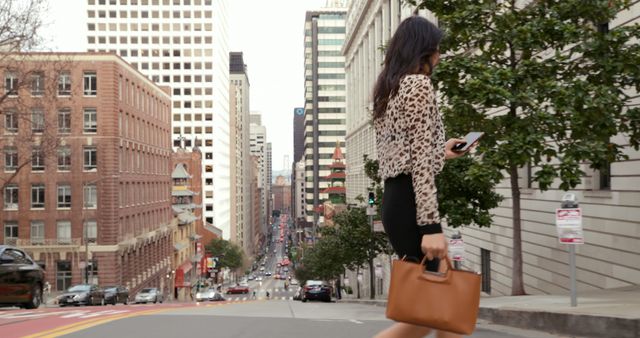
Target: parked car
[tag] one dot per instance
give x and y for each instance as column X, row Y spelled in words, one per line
column 209, row 295
column 21, row 280
column 149, row 295
column 116, row 294
column 238, row 289
column 316, row 290
column 82, row 294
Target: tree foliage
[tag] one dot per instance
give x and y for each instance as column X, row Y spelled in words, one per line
column 229, row 255
column 546, row 81
column 347, row 245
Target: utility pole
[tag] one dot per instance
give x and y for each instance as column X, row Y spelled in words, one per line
column 371, row 211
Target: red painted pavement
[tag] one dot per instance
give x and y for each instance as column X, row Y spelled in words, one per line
column 19, row 323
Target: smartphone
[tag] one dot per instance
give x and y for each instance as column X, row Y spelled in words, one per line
column 470, row 139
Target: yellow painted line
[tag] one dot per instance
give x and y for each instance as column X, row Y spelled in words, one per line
column 79, row 326
column 75, row 327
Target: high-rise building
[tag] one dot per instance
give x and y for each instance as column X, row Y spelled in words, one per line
column 325, row 90
column 269, row 174
column 257, row 236
column 258, row 146
column 363, row 59
column 281, row 195
column 182, row 44
column 94, row 206
column 298, row 134
column 241, row 151
column 299, row 195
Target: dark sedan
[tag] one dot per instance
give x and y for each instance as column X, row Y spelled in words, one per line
column 116, row 294
column 82, row 294
column 316, row 290
column 21, row 279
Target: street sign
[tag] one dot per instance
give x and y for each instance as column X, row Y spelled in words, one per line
column 371, row 211
column 377, row 226
column 456, row 249
column 569, row 226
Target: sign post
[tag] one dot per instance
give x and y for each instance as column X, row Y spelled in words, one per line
column 570, row 232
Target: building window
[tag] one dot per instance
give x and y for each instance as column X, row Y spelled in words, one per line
column 37, row 232
column 37, row 196
column 37, row 120
column 64, row 121
column 64, row 232
column 90, row 158
column 605, row 177
column 64, row 159
column 485, row 260
column 90, row 84
column 64, row 84
column 90, row 196
column 91, row 230
column 37, row 84
column 37, row 160
column 10, row 233
column 63, row 275
column 10, row 159
column 11, row 197
column 90, row 120
column 11, row 122
column 11, row 84
column 64, row 196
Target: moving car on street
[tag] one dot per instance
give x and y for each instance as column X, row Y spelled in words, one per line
column 316, row 290
column 116, row 294
column 238, row 289
column 149, row 295
column 209, row 295
column 21, row 279
column 82, row 294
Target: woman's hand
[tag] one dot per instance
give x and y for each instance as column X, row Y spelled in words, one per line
column 434, row 246
column 448, row 148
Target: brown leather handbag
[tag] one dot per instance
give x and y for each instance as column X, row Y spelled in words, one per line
column 446, row 301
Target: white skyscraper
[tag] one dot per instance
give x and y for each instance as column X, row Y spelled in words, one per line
column 325, row 91
column 258, row 145
column 182, row 44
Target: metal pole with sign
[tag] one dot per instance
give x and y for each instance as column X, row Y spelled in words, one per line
column 570, row 232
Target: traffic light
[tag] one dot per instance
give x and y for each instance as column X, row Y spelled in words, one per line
column 372, row 198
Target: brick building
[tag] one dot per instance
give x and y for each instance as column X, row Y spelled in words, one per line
column 281, row 195
column 108, row 176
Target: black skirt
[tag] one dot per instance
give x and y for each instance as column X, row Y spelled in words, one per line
column 399, row 219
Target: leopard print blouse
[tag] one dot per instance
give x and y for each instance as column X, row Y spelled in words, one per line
column 410, row 140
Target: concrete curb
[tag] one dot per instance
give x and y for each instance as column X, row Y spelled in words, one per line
column 583, row 325
column 564, row 323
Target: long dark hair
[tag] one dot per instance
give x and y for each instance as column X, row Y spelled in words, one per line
column 410, row 48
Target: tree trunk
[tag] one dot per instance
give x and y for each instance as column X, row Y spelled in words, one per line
column 372, row 280
column 517, row 283
column 358, row 281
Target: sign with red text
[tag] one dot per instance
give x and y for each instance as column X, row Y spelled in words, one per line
column 569, row 226
column 456, row 249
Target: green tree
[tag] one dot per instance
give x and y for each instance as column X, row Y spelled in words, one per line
column 229, row 255
column 359, row 244
column 547, row 82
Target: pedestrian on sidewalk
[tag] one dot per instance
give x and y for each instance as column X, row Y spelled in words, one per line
column 411, row 150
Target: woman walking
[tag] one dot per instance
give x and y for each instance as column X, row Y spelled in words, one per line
column 411, row 150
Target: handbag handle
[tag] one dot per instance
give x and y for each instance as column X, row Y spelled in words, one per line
column 437, row 277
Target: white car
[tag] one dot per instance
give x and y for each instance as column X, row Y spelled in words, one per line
column 294, row 282
column 244, row 284
column 259, row 279
column 209, row 294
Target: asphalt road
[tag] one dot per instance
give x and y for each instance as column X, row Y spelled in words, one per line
column 267, row 318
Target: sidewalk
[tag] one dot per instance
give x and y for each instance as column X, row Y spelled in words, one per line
column 602, row 313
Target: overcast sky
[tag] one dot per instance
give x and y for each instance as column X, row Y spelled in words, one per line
column 271, row 35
